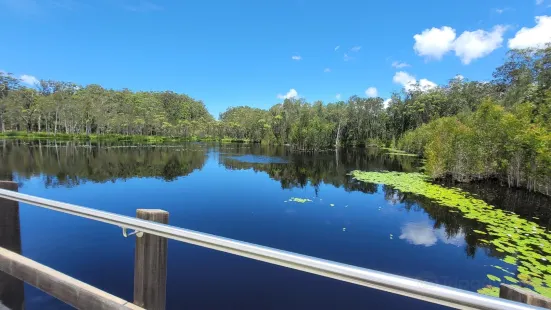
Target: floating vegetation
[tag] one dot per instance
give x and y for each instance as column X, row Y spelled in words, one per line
column 493, row 278
column 510, row 260
column 489, row 290
column 300, row 200
column 511, row 279
column 527, row 244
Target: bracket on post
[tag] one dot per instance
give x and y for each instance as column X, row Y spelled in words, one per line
column 138, row 234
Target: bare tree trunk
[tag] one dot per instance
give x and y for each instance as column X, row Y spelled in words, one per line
column 55, row 123
column 39, row 122
column 338, row 135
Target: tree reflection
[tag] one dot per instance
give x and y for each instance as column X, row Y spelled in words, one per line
column 72, row 163
column 303, row 169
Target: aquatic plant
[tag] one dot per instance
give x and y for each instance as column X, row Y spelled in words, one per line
column 493, row 278
column 511, row 279
column 527, row 244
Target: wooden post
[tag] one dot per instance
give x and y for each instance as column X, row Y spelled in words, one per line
column 11, row 289
column 518, row 294
column 150, row 264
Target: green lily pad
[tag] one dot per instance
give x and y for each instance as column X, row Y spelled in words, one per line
column 489, row 290
column 527, row 244
column 493, row 278
column 511, row 279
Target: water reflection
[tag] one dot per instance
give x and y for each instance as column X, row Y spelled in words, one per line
column 73, row 163
column 423, row 233
column 314, row 169
column 70, row 164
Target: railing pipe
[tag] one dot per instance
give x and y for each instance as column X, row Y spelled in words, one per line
column 400, row 285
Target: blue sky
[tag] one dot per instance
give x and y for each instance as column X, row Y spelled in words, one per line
column 230, row 53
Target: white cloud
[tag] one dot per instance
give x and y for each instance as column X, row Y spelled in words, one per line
column 476, row 44
column 539, row 2
column 292, row 93
column 371, row 92
column 338, row 96
column 347, row 57
column 356, row 48
column 434, row 43
column 410, row 82
column 327, row 70
column 399, row 65
column 459, row 77
column 500, row 11
column 535, row 37
column 296, row 57
column 403, row 78
column 421, row 233
column 386, row 103
column 29, row 79
column 337, row 47
column 425, row 84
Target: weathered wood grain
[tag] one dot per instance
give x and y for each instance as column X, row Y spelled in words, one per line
column 513, row 293
column 150, row 265
column 67, row 289
column 12, row 290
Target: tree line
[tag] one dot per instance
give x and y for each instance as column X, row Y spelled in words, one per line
column 466, row 129
column 61, row 107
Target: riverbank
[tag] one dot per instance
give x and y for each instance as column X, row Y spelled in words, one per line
column 22, row 135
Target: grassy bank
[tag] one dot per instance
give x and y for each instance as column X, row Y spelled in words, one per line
column 23, row 135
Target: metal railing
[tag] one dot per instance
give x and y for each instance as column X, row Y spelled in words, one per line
column 427, row 291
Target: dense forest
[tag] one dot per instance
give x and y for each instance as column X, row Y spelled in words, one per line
column 465, row 129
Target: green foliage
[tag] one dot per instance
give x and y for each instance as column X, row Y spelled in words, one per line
column 491, row 142
column 468, row 130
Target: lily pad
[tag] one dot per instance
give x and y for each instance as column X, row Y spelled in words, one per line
column 527, row 244
column 489, row 290
column 511, row 279
column 493, row 278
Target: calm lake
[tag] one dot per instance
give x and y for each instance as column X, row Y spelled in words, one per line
column 243, row 192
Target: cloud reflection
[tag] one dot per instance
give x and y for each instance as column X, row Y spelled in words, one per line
column 422, row 233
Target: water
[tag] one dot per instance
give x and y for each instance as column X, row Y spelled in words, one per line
column 242, row 192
